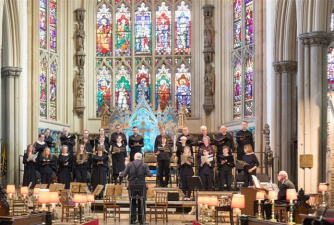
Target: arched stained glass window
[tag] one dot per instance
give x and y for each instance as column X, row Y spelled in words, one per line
column 103, row 31
column 143, row 30
column 330, row 59
column 163, row 29
column 123, row 32
column 143, row 84
column 148, row 56
column 163, row 87
column 48, row 57
column 103, row 86
column 183, row 88
column 242, row 56
column 182, row 28
column 123, row 89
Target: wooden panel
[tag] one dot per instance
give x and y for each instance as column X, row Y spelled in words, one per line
column 32, row 219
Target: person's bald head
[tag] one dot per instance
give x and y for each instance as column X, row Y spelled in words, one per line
column 223, row 129
column 185, row 130
column 138, row 156
column 282, row 175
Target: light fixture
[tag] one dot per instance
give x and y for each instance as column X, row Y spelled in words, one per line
column 90, row 199
column 323, row 188
column 201, row 202
column 291, row 195
column 44, row 198
column 54, row 199
column 10, row 191
column 238, row 202
column 213, row 203
column 24, row 192
column 35, row 195
column 259, row 198
column 79, row 199
column 272, row 195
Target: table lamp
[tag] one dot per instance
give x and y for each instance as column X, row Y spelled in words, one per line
column 323, row 188
column 272, row 195
column 54, row 199
column 213, row 203
column 79, row 199
column 259, row 197
column 44, row 198
column 90, row 199
column 10, row 191
column 238, row 202
column 291, row 195
column 206, row 207
column 24, row 192
column 201, row 203
column 35, row 195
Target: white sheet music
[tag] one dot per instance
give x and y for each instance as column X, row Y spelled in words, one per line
column 32, row 157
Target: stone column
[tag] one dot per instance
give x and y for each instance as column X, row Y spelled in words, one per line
column 313, row 103
column 10, row 119
column 285, row 74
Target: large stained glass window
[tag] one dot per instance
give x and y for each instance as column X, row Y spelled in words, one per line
column 48, row 59
column 163, row 87
column 242, row 55
column 143, row 30
column 330, row 59
column 143, row 52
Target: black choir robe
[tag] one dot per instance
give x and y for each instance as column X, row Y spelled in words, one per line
column 226, row 140
column 243, row 138
column 69, row 141
column 65, row 171
column 134, row 149
column 118, row 159
column 114, row 137
column 46, row 169
column 29, row 172
column 200, row 140
column 106, row 142
column 190, row 140
column 99, row 171
column 157, row 141
column 49, row 141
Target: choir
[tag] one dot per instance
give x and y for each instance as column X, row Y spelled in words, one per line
column 103, row 156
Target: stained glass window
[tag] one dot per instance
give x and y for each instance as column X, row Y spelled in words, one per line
column 103, row 87
column 330, row 59
column 53, row 90
column 183, row 88
column 103, row 31
column 43, row 88
column 143, row 84
column 138, row 66
column 123, row 33
column 143, row 30
column 163, row 87
column 123, row 89
column 249, row 22
column 242, row 56
column 163, row 29
column 248, row 88
column 182, row 28
column 48, row 67
column 237, row 90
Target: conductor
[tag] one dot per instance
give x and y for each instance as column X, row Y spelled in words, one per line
column 136, row 172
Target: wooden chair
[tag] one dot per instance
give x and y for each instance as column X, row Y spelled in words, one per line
column 314, row 200
column 109, row 202
column 161, row 202
column 67, row 206
column 281, row 210
column 226, row 208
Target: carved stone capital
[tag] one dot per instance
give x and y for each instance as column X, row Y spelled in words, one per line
column 208, row 10
column 316, row 38
column 285, row 67
column 11, row 72
column 80, row 110
column 80, row 14
column 208, row 105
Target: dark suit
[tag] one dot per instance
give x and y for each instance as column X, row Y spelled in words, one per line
column 281, row 197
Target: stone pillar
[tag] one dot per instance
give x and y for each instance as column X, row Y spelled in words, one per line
column 10, row 120
column 285, row 74
column 312, row 101
column 209, row 76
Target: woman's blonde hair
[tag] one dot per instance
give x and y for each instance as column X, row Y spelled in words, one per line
column 249, row 148
column 44, row 153
column 84, row 155
column 187, row 147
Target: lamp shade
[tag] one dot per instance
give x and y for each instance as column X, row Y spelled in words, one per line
column 291, row 194
column 90, row 198
column 79, row 198
column 213, row 200
column 10, row 189
column 323, row 187
column 238, row 201
column 44, row 197
column 36, row 191
column 54, row 197
column 206, row 200
column 259, row 195
column 272, row 195
column 24, row 190
column 200, row 200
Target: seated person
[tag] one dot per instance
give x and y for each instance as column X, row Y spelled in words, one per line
column 281, row 196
